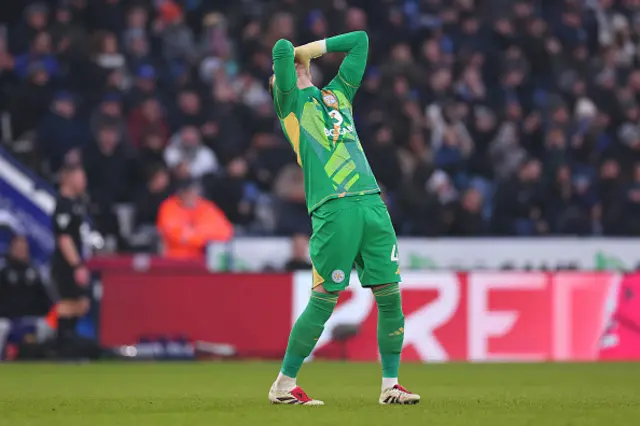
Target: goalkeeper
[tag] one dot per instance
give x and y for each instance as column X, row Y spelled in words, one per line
column 349, row 219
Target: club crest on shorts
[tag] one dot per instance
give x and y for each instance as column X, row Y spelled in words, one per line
column 329, row 99
column 337, row 276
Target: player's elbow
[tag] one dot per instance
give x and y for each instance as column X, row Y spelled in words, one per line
column 64, row 239
column 362, row 37
column 282, row 49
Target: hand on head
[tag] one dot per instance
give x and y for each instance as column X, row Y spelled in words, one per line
column 302, row 69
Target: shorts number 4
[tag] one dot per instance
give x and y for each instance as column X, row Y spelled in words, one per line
column 394, row 253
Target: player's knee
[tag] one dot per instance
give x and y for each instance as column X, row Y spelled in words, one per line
column 376, row 288
column 389, row 300
column 320, row 289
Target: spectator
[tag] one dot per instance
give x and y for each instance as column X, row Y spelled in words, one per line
column 611, row 195
column 107, row 166
column 108, row 170
column 138, row 51
column 40, row 54
column 101, row 69
column 468, row 220
column 24, row 301
column 190, row 111
column 292, row 208
column 151, row 196
column 68, row 36
column 29, row 101
column 570, row 207
column 139, row 45
column 519, row 204
column 109, row 113
column 60, row 132
column 178, row 39
column 36, row 17
column 383, row 158
column 187, row 223
column 137, row 21
column 505, row 151
column 299, row 260
column 144, row 87
column 150, row 154
column 442, row 187
column 232, row 136
column 234, row 192
column 148, row 116
column 215, row 43
column 450, row 157
column 186, row 148
column 456, row 95
column 107, row 54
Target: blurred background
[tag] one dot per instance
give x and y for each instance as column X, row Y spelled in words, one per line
column 505, row 135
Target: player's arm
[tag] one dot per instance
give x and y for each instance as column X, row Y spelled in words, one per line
column 63, row 221
column 356, row 45
column 286, row 84
column 68, row 249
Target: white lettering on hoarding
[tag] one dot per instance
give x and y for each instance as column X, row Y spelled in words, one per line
column 485, row 323
column 421, row 324
column 531, row 316
column 566, row 285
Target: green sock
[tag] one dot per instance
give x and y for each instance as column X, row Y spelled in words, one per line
column 307, row 330
column 390, row 328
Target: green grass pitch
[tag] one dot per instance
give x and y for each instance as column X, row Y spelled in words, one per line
column 229, row 394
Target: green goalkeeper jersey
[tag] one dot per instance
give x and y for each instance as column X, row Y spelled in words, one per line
column 319, row 122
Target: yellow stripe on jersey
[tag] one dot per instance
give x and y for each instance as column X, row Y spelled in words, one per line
column 292, row 126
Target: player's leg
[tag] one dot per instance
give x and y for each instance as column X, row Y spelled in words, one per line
column 390, row 340
column 303, row 338
column 332, row 251
column 378, row 269
column 66, row 309
column 73, row 304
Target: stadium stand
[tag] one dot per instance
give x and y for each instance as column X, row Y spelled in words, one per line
column 479, row 117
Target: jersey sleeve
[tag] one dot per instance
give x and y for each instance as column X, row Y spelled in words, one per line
column 356, row 44
column 63, row 218
column 286, row 84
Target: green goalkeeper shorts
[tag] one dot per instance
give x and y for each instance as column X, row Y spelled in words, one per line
column 353, row 230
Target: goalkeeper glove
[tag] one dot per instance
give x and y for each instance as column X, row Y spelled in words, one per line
column 305, row 53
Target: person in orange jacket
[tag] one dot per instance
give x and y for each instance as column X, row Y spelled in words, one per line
column 187, row 222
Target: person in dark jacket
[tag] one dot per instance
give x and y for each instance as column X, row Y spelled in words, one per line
column 149, row 198
column 234, row 192
column 519, row 203
column 108, row 168
column 24, row 300
column 22, row 292
column 29, row 101
column 36, row 17
column 468, row 220
column 60, row 131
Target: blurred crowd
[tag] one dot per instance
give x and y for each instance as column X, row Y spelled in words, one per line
column 479, row 117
